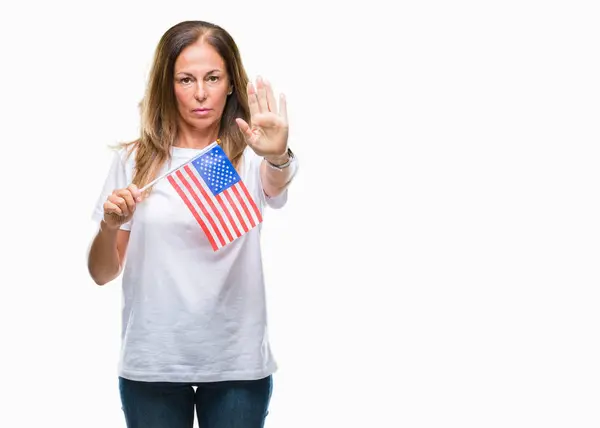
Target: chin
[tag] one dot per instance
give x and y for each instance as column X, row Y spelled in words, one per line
column 202, row 122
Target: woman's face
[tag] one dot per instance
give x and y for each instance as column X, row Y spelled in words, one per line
column 201, row 85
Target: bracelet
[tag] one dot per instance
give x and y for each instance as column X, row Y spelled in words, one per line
column 285, row 164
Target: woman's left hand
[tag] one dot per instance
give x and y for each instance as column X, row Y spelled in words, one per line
column 267, row 133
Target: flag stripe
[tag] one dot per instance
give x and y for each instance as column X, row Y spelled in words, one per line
column 228, row 219
column 193, row 211
column 245, row 201
column 194, row 195
column 189, row 190
column 202, row 207
column 254, row 207
column 210, row 202
column 243, row 204
column 228, row 214
column 226, row 226
column 237, row 212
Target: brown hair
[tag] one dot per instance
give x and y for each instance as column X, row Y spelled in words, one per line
column 159, row 106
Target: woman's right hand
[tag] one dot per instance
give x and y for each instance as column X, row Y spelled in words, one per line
column 120, row 206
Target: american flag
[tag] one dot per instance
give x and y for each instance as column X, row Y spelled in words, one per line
column 216, row 196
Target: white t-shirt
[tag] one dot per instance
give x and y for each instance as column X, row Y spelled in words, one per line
column 190, row 314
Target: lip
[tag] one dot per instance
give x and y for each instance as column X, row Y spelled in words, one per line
column 201, row 112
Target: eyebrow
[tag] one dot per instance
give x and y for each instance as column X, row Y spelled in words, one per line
column 216, row 70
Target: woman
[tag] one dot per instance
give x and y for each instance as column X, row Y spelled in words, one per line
column 192, row 316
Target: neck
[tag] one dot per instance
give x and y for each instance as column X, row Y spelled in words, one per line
column 194, row 138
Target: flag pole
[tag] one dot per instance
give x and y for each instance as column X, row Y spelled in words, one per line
column 204, row 150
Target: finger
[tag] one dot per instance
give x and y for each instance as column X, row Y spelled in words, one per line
column 247, row 131
column 244, row 127
column 283, row 108
column 135, row 192
column 110, row 208
column 261, row 90
column 126, row 194
column 252, row 100
column 120, row 202
column 272, row 105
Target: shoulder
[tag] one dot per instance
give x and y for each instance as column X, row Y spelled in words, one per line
column 124, row 156
column 122, row 165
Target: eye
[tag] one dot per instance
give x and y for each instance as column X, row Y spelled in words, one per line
column 185, row 80
column 213, row 78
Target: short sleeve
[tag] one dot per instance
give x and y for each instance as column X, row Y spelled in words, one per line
column 119, row 176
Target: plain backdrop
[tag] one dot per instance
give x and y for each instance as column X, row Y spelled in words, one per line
column 437, row 263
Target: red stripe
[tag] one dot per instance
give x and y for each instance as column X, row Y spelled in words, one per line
column 226, row 211
column 237, row 212
column 243, row 204
column 209, row 200
column 256, row 210
column 201, row 205
column 193, row 210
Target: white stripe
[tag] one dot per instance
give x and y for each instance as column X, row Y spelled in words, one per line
column 211, row 230
column 220, row 226
column 239, row 208
column 247, row 202
column 231, row 211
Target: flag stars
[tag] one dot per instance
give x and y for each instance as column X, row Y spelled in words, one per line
column 216, row 170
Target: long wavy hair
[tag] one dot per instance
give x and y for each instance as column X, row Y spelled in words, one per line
column 158, row 108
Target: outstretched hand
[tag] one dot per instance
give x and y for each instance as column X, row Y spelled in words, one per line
column 267, row 133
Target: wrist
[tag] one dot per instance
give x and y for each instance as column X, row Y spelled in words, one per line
column 108, row 228
column 278, row 160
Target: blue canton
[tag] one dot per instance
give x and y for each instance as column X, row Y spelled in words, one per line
column 216, row 170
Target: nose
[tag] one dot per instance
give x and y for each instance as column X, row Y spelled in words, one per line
column 200, row 92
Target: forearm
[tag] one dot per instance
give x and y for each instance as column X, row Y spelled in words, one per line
column 103, row 259
column 274, row 180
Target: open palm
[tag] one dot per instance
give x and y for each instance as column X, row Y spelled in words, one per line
column 267, row 133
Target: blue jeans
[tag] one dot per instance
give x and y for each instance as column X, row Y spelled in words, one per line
column 230, row 404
